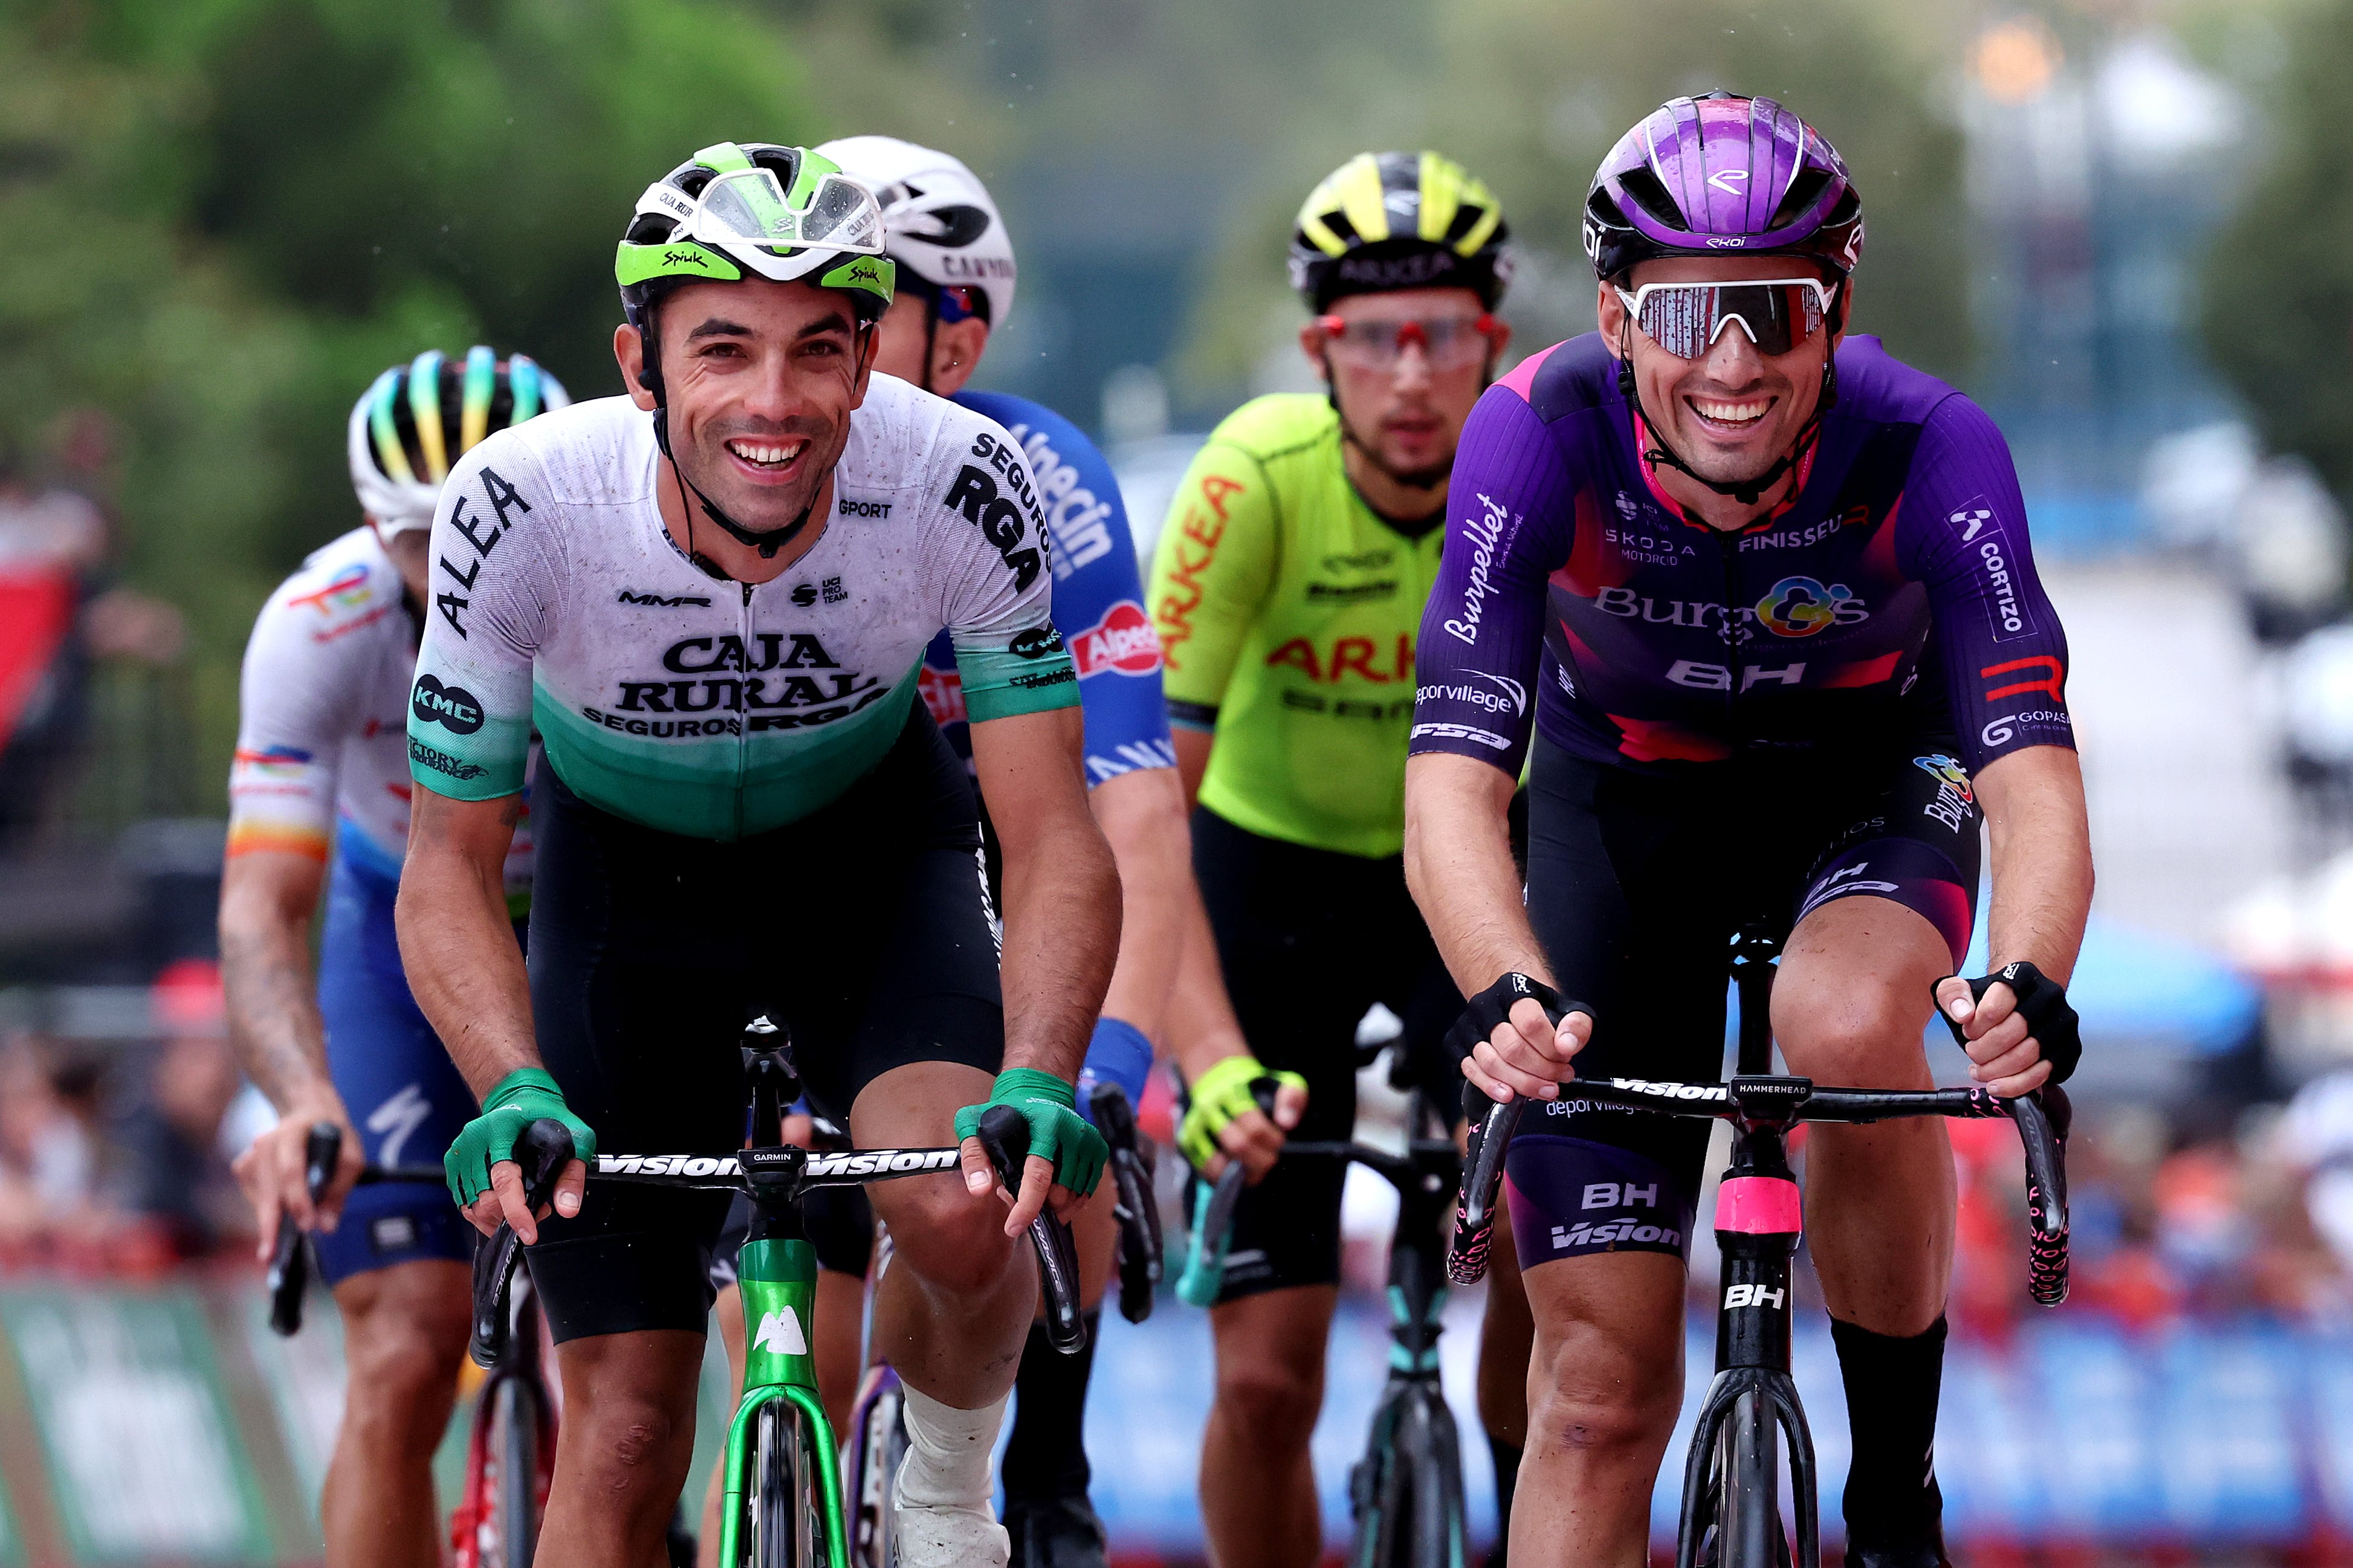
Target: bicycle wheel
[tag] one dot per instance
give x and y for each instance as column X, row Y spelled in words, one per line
column 1434, row 1458
column 1748, row 1477
column 786, row 1527
column 516, row 1423
column 878, row 1447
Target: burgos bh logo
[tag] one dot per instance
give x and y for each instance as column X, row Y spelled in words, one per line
column 1800, row 607
column 1949, row 770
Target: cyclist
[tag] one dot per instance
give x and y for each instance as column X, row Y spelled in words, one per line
column 955, row 283
column 1767, row 596
column 321, row 777
column 713, row 597
column 1287, row 588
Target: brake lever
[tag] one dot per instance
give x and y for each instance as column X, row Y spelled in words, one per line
column 542, row 1153
column 289, row 1257
column 1005, row 1135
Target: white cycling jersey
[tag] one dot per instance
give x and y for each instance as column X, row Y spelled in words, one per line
column 706, row 707
column 322, row 711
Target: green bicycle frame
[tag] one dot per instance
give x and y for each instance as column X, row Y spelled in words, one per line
column 778, row 1279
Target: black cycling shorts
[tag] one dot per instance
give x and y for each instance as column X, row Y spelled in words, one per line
column 1636, row 886
column 1310, row 938
column 862, row 930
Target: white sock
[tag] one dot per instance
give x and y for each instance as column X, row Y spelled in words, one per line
column 948, row 1453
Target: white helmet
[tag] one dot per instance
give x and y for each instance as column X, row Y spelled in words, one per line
column 418, row 418
column 941, row 225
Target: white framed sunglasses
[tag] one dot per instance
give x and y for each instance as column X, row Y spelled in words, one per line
column 1686, row 319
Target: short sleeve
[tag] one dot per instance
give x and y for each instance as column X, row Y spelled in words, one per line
column 1212, row 571
column 1507, row 527
column 294, row 713
column 1963, row 535
column 994, row 556
column 493, row 580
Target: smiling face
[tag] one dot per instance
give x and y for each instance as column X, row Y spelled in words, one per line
column 1732, row 413
column 760, row 379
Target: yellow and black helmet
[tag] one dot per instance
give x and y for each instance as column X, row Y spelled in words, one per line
column 1400, row 220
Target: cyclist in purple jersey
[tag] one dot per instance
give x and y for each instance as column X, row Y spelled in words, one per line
column 1766, row 597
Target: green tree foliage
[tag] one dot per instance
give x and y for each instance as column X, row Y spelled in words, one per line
column 2278, row 306
column 233, row 213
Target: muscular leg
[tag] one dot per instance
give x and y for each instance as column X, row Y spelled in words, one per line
column 1848, row 1007
column 1603, row 1391
column 404, row 1334
column 1258, row 1486
column 623, row 1448
column 953, row 1309
column 1507, row 1348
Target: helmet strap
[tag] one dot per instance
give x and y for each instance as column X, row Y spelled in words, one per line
column 767, row 544
column 1747, row 492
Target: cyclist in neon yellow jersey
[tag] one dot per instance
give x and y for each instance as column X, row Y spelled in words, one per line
column 1288, row 590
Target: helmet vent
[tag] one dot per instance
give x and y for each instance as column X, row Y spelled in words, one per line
column 1804, row 191
column 1466, row 218
column 1652, row 196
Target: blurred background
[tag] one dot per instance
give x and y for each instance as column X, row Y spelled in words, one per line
column 2122, row 225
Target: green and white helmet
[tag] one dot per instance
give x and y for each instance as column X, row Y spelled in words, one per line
column 754, row 209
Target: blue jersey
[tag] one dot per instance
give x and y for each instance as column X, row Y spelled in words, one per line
column 1098, row 599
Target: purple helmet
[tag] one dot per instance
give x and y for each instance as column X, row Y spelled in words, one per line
column 1721, row 175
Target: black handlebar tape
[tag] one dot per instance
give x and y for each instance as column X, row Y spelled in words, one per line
column 541, row 1155
column 1113, row 1117
column 290, row 1261
column 1005, row 1135
column 1491, row 1126
column 2042, row 1118
column 1140, row 1242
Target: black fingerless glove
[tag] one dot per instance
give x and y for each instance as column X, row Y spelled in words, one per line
column 2050, row 1022
column 1494, row 1005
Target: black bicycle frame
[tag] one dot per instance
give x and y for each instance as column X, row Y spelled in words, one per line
column 1758, row 1226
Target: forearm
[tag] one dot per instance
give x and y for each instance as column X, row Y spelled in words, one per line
column 458, row 948
column 272, row 1001
column 1062, row 940
column 1141, row 815
column 1202, row 1029
column 1458, row 865
column 2040, row 847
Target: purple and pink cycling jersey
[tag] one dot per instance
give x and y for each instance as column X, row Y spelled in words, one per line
column 1896, row 593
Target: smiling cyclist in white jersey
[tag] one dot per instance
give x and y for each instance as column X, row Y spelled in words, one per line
column 711, row 598
column 321, row 780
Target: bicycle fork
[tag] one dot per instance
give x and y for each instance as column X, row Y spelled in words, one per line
column 778, row 1281
column 1733, row 1471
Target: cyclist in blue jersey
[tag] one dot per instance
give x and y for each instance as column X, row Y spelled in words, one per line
column 319, row 798
column 956, row 284
column 1766, row 597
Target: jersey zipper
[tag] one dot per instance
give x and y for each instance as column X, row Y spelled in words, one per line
column 1727, row 554
column 743, row 709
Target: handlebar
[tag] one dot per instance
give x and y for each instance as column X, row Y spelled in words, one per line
column 2042, row 1118
column 541, row 1155
column 545, row 1146
column 1142, row 1248
column 1006, row 1136
column 290, row 1260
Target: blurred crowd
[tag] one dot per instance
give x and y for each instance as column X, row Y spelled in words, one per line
column 114, row 1157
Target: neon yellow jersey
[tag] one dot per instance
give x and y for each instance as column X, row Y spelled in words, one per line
column 1287, row 609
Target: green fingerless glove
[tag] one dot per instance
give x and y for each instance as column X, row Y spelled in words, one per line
column 1216, row 1097
column 1057, row 1131
column 520, row 1098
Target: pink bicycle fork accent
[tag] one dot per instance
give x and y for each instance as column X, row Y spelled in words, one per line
column 1759, row 1205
